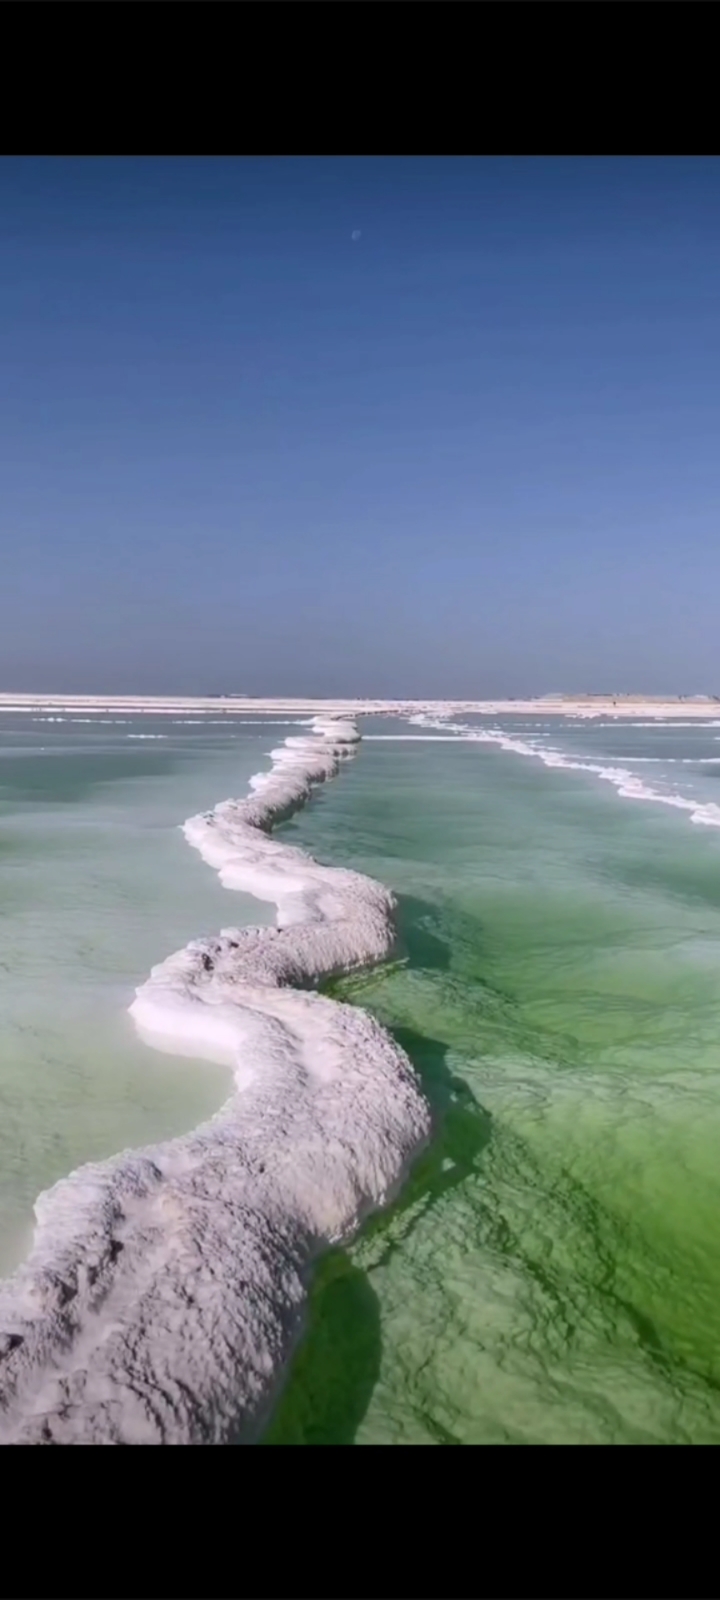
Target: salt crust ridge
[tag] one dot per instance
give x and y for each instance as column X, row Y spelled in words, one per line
column 627, row 783
column 165, row 1288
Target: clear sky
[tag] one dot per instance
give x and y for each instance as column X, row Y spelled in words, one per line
column 473, row 451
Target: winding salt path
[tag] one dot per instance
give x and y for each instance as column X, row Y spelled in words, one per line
column 165, row 1289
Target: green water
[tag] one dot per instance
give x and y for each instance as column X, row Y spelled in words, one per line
column 551, row 1272
column 97, row 884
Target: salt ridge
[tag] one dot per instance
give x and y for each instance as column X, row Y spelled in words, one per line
column 165, row 1288
column 627, row 784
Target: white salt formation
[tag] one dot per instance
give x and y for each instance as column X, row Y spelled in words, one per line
column 240, row 707
column 165, row 1288
column 627, row 783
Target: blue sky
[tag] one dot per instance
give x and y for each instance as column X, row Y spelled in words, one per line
column 475, row 451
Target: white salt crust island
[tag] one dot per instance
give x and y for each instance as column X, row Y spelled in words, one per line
column 165, row 1289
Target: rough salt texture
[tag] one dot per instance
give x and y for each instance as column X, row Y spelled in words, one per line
column 165, row 1288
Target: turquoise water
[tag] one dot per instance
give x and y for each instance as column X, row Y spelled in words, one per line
column 97, row 884
column 552, row 1271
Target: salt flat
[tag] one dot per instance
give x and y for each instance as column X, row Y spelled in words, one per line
column 236, row 705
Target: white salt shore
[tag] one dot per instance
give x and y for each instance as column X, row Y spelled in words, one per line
column 165, row 1288
column 236, row 705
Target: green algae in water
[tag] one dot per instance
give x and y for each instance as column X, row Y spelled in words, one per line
column 551, row 1272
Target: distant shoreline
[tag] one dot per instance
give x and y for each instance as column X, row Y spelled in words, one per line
column 237, row 705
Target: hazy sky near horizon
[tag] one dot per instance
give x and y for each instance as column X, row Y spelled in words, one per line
column 375, row 426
